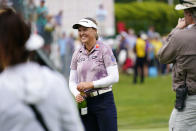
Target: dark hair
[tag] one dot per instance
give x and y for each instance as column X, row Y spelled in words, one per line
column 14, row 33
column 94, row 21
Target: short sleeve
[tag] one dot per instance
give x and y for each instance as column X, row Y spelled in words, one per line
column 74, row 61
column 108, row 57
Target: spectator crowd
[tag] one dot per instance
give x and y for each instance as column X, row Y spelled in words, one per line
column 136, row 54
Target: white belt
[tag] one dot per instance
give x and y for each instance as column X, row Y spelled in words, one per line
column 99, row 92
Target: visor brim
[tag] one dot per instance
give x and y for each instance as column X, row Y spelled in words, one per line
column 76, row 26
column 183, row 7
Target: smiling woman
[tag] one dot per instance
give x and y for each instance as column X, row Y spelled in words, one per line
column 93, row 71
column 87, row 36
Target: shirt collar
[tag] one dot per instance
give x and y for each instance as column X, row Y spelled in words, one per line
column 95, row 48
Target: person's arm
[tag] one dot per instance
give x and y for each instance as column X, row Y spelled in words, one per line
column 73, row 83
column 73, row 79
column 168, row 52
column 113, row 77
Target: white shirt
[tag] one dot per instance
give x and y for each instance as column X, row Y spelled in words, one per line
column 30, row 83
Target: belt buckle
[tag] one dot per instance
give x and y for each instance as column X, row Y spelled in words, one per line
column 98, row 92
column 94, row 93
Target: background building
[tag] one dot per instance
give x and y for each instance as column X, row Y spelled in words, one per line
column 74, row 10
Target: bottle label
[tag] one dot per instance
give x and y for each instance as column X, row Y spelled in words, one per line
column 84, row 111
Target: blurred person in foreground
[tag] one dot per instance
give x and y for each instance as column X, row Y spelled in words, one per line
column 33, row 97
column 93, row 71
column 180, row 49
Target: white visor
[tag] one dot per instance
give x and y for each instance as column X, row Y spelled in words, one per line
column 85, row 23
column 184, row 6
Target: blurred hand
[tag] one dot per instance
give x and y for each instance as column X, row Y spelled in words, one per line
column 82, row 86
column 79, row 98
column 181, row 23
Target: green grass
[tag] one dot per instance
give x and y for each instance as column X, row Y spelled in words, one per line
column 143, row 106
column 154, row 129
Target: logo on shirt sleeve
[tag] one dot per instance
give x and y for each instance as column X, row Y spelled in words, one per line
column 113, row 59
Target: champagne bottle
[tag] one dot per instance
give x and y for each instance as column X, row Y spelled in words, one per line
column 82, row 106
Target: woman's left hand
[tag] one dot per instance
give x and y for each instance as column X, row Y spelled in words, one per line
column 82, row 86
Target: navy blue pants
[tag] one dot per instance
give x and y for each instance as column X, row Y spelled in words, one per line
column 102, row 115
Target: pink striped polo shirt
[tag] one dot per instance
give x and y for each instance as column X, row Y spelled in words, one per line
column 92, row 66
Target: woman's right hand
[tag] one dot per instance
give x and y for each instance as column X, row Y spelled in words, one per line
column 79, row 98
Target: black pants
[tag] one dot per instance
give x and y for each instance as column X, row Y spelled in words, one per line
column 139, row 64
column 102, row 115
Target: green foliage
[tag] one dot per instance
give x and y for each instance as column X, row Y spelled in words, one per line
column 140, row 16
